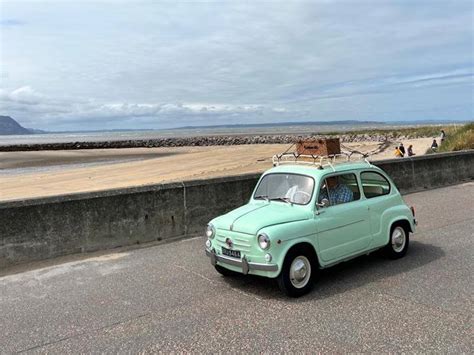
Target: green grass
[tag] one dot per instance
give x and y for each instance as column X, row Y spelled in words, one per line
column 461, row 139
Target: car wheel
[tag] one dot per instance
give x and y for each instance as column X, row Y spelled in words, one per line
column 297, row 275
column 398, row 242
column 225, row 272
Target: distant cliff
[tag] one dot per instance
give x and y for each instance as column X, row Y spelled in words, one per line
column 9, row 126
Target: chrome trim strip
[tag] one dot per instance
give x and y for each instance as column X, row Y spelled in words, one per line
column 244, row 264
column 341, row 226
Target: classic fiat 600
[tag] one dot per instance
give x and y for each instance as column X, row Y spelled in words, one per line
column 302, row 218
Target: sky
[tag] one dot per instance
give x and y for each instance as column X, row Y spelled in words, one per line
column 74, row 65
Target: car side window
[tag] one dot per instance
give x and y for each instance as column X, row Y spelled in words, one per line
column 374, row 184
column 339, row 189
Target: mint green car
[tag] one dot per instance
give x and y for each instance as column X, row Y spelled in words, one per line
column 301, row 219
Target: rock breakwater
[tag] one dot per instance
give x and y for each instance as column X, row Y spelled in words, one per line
column 196, row 141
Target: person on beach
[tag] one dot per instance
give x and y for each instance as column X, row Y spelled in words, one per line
column 402, row 149
column 443, row 136
column 398, row 152
column 434, row 145
column 410, row 150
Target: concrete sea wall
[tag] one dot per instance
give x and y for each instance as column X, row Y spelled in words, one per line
column 39, row 229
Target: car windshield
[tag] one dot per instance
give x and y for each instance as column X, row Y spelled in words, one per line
column 289, row 188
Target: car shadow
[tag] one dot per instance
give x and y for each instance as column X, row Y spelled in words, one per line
column 345, row 276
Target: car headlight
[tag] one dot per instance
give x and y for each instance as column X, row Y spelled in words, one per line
column 210, row 231
column 263, row 241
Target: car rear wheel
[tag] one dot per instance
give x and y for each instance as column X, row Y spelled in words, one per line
column 297, row 275
column 398, row 243
column 225, row 272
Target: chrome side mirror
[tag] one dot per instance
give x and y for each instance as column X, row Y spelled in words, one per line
column 324, row 203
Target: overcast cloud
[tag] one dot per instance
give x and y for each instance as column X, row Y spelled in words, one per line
column 149, row 64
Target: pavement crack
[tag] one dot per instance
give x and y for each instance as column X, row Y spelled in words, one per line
column 56, row 341
column 213, row 282
column 195, row 273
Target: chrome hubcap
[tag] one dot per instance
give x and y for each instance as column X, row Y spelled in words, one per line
column 300, row 271
column 398, row 239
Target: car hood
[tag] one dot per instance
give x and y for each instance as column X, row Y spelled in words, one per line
column 251, row 218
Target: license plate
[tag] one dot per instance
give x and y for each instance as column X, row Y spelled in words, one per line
column 231, row 253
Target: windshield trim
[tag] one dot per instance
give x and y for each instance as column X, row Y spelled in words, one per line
column 286, row 173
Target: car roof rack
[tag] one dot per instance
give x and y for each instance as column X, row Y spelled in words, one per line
column 320, row 161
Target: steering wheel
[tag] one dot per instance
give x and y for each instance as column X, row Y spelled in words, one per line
column 306, row 196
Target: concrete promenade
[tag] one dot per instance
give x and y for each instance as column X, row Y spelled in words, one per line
column 169, row 298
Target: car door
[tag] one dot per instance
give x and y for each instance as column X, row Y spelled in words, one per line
column 377, row 191
column 343, row 227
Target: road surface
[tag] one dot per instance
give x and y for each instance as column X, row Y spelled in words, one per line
column 169, row 298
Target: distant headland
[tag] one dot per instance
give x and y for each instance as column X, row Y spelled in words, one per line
column 8, row 126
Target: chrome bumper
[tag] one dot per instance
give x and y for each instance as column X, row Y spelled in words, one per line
column 243, row 263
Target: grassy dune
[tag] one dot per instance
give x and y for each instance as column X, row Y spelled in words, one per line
column 461, row 138
column 409, row 132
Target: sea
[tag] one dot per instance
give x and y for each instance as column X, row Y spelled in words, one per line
column 105, row 136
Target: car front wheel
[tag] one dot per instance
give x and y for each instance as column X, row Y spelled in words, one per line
column 398, row 244
column 297, row 275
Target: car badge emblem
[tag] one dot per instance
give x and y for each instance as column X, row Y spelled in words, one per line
column 229, row 243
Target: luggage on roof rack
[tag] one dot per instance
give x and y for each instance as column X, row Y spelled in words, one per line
column 319, row 146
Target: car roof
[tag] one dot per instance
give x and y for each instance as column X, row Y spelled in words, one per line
column 315, row 171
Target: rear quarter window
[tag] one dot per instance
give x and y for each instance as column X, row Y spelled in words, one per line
column 374, row 184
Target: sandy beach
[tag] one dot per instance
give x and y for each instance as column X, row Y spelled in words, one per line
column 46, row 173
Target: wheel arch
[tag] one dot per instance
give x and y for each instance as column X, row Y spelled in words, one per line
column 402, row 222
column 307, row 246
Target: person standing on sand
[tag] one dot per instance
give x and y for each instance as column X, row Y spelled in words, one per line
column 402, row 149
column 410, row 151
column 443, row 135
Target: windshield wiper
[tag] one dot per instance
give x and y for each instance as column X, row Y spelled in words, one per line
column 284, row 199
column 261, row 197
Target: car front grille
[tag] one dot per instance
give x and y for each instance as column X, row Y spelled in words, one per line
column 240, row 241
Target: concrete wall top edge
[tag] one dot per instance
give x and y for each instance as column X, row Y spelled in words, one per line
column 424, row 157
column 188, row 183
column 88, row 195
column 122, row 191
column 209, row 181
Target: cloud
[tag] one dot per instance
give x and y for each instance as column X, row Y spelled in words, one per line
column 23, row 95
column 391, row 84
column 66, row 111
column 10, row 22
column 154, row 64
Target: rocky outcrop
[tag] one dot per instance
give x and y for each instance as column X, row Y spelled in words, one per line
column 8, row 126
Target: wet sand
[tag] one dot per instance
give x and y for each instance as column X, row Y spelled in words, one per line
column 30, row 159
column 46, row 173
